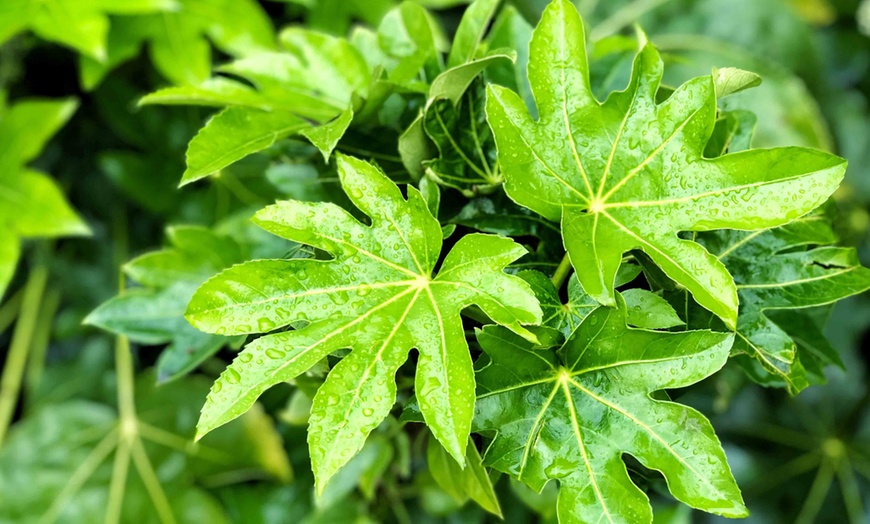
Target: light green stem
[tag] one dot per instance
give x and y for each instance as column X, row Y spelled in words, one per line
column 13, row 371
column 562, row 272
column 9, row 311
column 36, row 362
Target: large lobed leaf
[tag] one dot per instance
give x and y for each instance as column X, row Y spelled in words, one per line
column 629, row 173
column 377, row 296
column 571, row 415
column 779, row 274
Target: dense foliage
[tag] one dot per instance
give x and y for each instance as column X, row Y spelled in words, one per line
column 426, row 252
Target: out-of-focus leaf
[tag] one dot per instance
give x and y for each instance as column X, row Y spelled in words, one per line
column 178, row 38
column 154, row 314
column 79, row 24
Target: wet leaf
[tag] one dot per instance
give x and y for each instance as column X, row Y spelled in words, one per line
column 570, row 415
column 377, row 296
column 779, row 273
column 629, row 173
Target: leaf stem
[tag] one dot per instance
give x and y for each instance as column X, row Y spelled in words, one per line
column 9, row 311
column 39, row 347
column 13, row 371
column 562, row 272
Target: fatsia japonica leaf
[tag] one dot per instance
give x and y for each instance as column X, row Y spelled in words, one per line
column 154, row 313
column 378, row 297
column 467, row 157
column 780, row 272
column 629, row 173
column 306, row 89
column 570, row 415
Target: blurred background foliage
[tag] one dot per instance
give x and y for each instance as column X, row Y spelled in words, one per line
column 70, row 455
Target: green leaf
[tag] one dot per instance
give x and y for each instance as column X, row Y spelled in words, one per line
column 730, row 80
column 407, row 36
column 467, row 157
column 380, row 278
column 9, row 253
column 233, row 134
column 469, row 34
column 570, row 415
column 781, row 272
column 326, row 137
column 648, row 310
column 31, row 203
column 629, row 173
column 179, row 38
column 511, row 31
column 79, row 24
column 155, row 314
column 462, row 483
column 57, row 463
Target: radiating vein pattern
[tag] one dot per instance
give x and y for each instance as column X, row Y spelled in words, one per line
column 570, row 415
column 630, row 173
column 780, row 274
column 377, row 295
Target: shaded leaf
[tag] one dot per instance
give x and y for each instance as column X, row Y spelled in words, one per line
column 570, row 415
column 781, row 272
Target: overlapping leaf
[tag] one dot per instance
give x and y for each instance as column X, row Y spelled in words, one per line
column 31, row 204
column 312, row 81
column 629, row 173
column 377, row 296
column 467, row 156
column 571, row 415
column 179, row 37
column 779, row 273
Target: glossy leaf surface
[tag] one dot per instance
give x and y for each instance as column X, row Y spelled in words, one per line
column 780, row 272
column 570, row 415
column 629, row 173
column 377, row 296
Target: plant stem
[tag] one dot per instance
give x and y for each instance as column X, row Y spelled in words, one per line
column 13, row 371
column 562, row 272
column 9, row 311
column 36, row 362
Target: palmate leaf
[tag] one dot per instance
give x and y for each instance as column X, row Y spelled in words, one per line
column 630, row 173
column 378, row 297
column 780, row 272
column 570, row 415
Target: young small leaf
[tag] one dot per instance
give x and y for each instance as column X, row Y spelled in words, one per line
column 377, row 296
column 570, row 415
column 629, row 173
